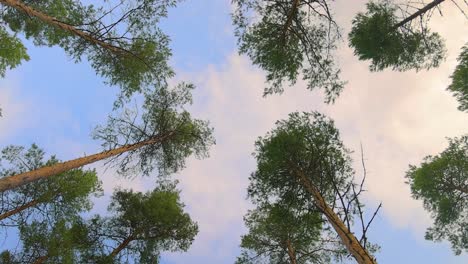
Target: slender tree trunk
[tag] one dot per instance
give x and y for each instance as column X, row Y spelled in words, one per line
column 289, row 19
column 11, row 182
column 41, row 260
column 20, row 6
column 122, row 246
column 291, row 252
column 19, row 209
column 351, row 243
column 418, row 13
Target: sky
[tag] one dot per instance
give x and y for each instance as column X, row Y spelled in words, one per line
column 397, row 117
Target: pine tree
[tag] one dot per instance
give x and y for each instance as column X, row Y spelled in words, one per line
column 304, row 157
column 162, row 137
column 459, row 85
column 140, row 226
column 397, row 35
column 288, row 39
column 120, row 39
column 288, row 232
column 63, row 196
column 44, row 212
column 441, row 182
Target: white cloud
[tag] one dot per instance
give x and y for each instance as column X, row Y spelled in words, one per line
column 14, row 109
column 398, row 117
column 214, row 189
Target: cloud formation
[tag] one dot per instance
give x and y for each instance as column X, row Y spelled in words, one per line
column 398, row 117
column 13, row 109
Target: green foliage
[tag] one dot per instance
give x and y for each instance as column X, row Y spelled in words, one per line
column 6, row 257
column 67, row 11
column 153, row 222
column 273, row 226
column 57, row 243
column 411, row 46
column 138, row 227
column 163, row 114
column 287, row 41
column 62, row 197
column 459, row 85
column 49, row 227
column 12, row 52
column 309, row 142
column 137, row 52
column 442, row 183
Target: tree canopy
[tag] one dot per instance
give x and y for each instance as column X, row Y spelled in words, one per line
column 384, row 36
column 459, row 85
column 441, row 182
column 120, row 39
column 12, row 51
column 284, row 233
column 307, row 201
column 164, row 114
column 45, row 212
column 303, row 161
column 161, row 138
column 140, row 227
column 289, row 39
column 61, row 197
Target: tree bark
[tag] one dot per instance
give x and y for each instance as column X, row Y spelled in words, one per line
column 41, row 260
column 418, row 13
column 19, row 209
column 290, row 16
column 291, row 252
column 20, row 6
column 11, row 182
column 121, row 246
column 351, row 243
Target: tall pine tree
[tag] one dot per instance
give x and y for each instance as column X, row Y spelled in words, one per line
column 304, row 157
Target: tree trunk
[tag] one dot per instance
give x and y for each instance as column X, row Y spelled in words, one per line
column 20, row 6
column 41, row 260
column 290, row 16
column 19, row 209
column 122, row 246
column 418, row 13
column 351, row 243
column 291, row 252
column 11, row 182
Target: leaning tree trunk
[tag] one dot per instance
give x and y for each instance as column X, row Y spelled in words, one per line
column 22, row 7
column 290, row 16
column 11, row 182
column 419, row 13
column 351, row 243
column 40, row 260
column 19, row 209
column 291, row 252
column 122, row 245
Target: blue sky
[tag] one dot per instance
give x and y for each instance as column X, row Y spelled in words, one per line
column 398, row 117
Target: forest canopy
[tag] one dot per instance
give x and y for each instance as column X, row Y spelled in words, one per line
column 243, row 131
